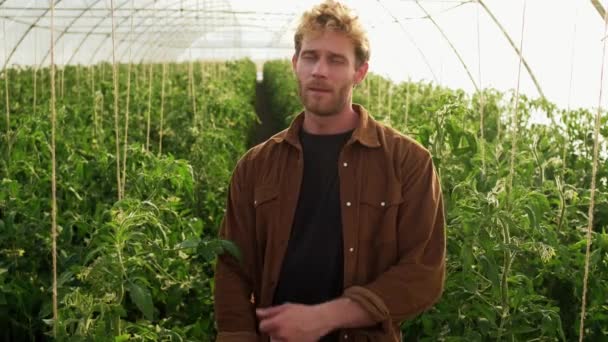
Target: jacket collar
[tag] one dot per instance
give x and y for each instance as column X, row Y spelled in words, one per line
column 365, row 132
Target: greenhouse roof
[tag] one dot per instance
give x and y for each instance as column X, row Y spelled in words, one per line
column 460, row 44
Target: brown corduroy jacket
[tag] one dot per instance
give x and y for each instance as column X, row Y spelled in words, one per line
column 393, row 229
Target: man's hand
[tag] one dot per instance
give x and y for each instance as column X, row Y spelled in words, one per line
column 294, row 322
column 304, row 323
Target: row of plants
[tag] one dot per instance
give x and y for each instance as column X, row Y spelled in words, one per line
column 140, row 267
column 281, row 92
column 135, row 261
column 516, row 227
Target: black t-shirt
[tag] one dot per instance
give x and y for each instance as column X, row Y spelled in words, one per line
column 313, row 267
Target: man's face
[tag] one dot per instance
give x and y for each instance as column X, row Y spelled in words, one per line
column 325, row 69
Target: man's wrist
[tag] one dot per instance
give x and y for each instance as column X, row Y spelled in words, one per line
column 332, row 314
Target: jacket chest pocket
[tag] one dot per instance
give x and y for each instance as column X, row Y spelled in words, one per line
column 379, row 211
column 266, row 204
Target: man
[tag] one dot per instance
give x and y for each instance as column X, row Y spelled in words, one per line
column 339, row 219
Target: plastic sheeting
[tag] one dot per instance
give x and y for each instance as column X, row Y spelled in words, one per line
column 455, row 43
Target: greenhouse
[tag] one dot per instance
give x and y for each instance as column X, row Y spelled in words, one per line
column 124, row 122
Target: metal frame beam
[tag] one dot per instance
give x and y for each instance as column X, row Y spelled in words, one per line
column 7, row 60
column 48, row 52
column 158, row 36
column 89, row 34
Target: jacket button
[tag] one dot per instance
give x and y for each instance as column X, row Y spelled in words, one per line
column 345, row 164
column 348, row 204
column 351, row 249
column 346, row 336
column 382, row 204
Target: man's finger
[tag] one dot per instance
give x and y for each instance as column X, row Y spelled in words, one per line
column 276, row 339
column 270, row 325
column 269, row 312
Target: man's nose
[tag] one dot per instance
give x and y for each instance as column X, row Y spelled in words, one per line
column 320, row 68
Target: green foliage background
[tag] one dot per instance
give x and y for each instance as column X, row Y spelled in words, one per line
column 141, row 268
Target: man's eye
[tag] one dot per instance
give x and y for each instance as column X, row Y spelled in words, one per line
column 337, row 60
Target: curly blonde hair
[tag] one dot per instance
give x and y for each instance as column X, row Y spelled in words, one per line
column 335, row 16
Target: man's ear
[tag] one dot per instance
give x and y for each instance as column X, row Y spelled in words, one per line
column 360, row 72
column 294, row 61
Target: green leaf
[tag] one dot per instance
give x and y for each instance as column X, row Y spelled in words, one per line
column 488, row 313
column 143, row 299
column 122, row 338
column 466, row 255
column 490, row 270
column 531, row 217
column 206, row 251
column 231, row 248
column 65, row 277
column 190, row 243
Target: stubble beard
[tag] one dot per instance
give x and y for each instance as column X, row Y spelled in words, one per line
column 327, row 105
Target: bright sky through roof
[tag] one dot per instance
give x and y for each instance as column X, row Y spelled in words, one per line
column 399, row 49
column 562, row 40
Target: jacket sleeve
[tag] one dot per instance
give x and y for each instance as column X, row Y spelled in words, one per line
column 416, row 281
column 234, row 311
